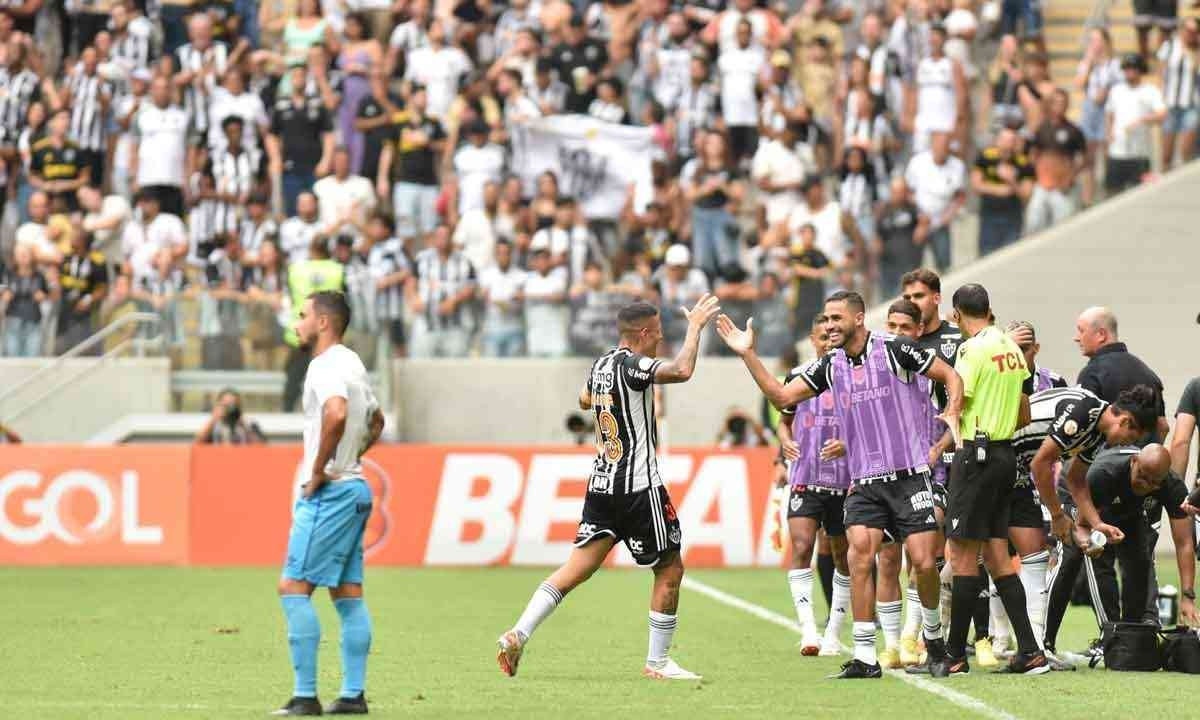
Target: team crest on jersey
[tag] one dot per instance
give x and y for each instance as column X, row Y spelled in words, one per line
column 674, row 536
column 1070, row 427
column 796, row 501
column 948, row 349
column 645, row 363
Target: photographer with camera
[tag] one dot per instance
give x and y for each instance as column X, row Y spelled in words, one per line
column 741, row 430
column 227, row 425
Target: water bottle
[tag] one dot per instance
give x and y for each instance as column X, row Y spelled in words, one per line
column 1168, row 605
column 1097, row 539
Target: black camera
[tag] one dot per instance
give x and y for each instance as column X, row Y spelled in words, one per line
column 233, row 414
column 581, row 427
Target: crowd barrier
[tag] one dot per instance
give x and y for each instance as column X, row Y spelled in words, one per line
column 434, row 505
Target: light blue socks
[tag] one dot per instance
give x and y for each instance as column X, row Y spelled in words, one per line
column 304, row 636
column 356, row 643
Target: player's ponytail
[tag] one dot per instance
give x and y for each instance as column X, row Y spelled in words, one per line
column 1140, row 402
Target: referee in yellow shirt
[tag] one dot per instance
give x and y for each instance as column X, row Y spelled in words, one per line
column 994, row 377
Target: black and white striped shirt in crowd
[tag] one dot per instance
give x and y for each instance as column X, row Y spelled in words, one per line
column 17, row 91
column 252, row 234
column 439, row 279
column 384, row 259
column 195, row 101
column 1070, row 416
column 698, row 108
column 1180, row 74
column 621, row 385
column 233, row 174
column 89, row 110
column 205, row 220
column 131, row 51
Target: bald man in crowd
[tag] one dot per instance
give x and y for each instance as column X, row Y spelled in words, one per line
column 1121, row 480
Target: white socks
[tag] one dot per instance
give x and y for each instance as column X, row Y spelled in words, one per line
column 544, row 600
column 864, row 642
column 840, row 607
column 998, row 623
column 889, row 620
column 662, row 629
column 800, row 582
column 931, row 623
column 1033, row 578
column 912, row 611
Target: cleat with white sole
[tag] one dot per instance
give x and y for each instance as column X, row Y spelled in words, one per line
column 830, row 648
column 668, row 670
column 810, row 642
column 511, row 646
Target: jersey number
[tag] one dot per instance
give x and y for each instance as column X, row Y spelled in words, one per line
column 606, row 429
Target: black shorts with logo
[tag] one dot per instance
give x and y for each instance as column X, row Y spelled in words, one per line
column 827, row 506
column 1025, row 509
column 645, row 521
column 901, row 507
column 980, row 496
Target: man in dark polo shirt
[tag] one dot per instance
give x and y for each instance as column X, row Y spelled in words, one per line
column 300, row 143
column 1003, row 177
column 579, row 60
column 56, row 164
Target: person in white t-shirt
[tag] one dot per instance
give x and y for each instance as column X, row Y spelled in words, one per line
column 779, row 169
column 501, row 288
column 232, row 98
column 938, row 182
column 148, row 232
column 342, row 420
column 104, row 218
column 476, row 163
column 438, row 67
column 547, row 313
column 296, row 234
column 837, row 235
column 1133, row 106
column 476, row 234
column 159, row 154
column 740, row 67
column 344, row 201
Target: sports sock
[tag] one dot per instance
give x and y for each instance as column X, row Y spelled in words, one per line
column 912, row 611
column 946, row 575
column 980, row 610
column 304, row 636
column 864, row 642
column 931, row 623
column 964, row 591
column 1013, row 596
column 839, row 607
column 1033, row 579
column 999, row 619
column 662, row 629
column 544, row 600
column 825, row 572
column 889, row 620
column 356, row 643
column 800, row 582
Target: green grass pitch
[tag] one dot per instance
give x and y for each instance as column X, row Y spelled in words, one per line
column 164, row 643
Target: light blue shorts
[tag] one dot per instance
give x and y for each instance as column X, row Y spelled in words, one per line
column 325, row 544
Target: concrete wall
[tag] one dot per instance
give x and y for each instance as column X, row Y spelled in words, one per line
column 102, row 394
column 527, row 400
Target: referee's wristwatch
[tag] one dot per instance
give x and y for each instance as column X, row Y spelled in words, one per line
column 1189, row 594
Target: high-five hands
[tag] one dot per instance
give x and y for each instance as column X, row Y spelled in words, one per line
column 739, row 341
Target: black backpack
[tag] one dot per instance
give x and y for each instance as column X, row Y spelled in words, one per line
column 1181, row 650
column 1130, row 646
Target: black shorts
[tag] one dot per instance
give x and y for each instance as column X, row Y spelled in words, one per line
column 980, row 496
column 1025, row 509
column 900, row 507
column 645, row 521
column 829, row 508
column 1123, row 174
column 1157, row 13
column 396, row 332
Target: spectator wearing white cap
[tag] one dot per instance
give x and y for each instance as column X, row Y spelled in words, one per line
column 547, row 313
column 678, row 284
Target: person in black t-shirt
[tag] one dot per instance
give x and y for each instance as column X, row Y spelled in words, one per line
column 1059, row 155
column 375, row 120
column 1003, row 177
column 82, row 284
column 579, row 60
column 810, row 271
column 410, row 161
column 300, row 143
column 1124, row 482
column 900, row 241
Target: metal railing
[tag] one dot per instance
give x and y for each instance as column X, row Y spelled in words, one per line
column 139, row 346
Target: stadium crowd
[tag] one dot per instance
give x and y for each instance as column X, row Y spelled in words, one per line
column 211, row 161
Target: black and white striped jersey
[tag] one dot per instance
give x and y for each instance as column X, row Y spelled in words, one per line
column 17, row 91
column 621, row 384
column 1070, row 416
column 196, row 95
column 234, row 173
column 90, row 95
column 1181, row 74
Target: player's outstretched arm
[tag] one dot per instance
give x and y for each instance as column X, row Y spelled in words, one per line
column 742, row 343
column 333, row 426
column 681, row 368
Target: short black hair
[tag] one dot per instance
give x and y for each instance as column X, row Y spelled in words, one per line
column 634, row 315
column 972, row 300
column 906, row 307
column 387, row 220
column 817, row 320
column 925, row 276
column 232, row 120
column 1140, row 402
column 333, row 303
column 852, row 299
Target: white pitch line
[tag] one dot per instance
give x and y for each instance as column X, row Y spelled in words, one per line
column 953, row 696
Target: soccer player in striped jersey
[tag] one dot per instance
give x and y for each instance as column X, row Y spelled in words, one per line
column 818, row 478
column 626, row 500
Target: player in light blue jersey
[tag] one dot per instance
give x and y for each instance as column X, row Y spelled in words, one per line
column 342, row 420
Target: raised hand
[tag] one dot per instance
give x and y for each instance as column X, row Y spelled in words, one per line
column 702, row 311
column 739, row 341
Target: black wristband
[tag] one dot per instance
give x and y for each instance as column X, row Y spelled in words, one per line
column 1189, row 594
